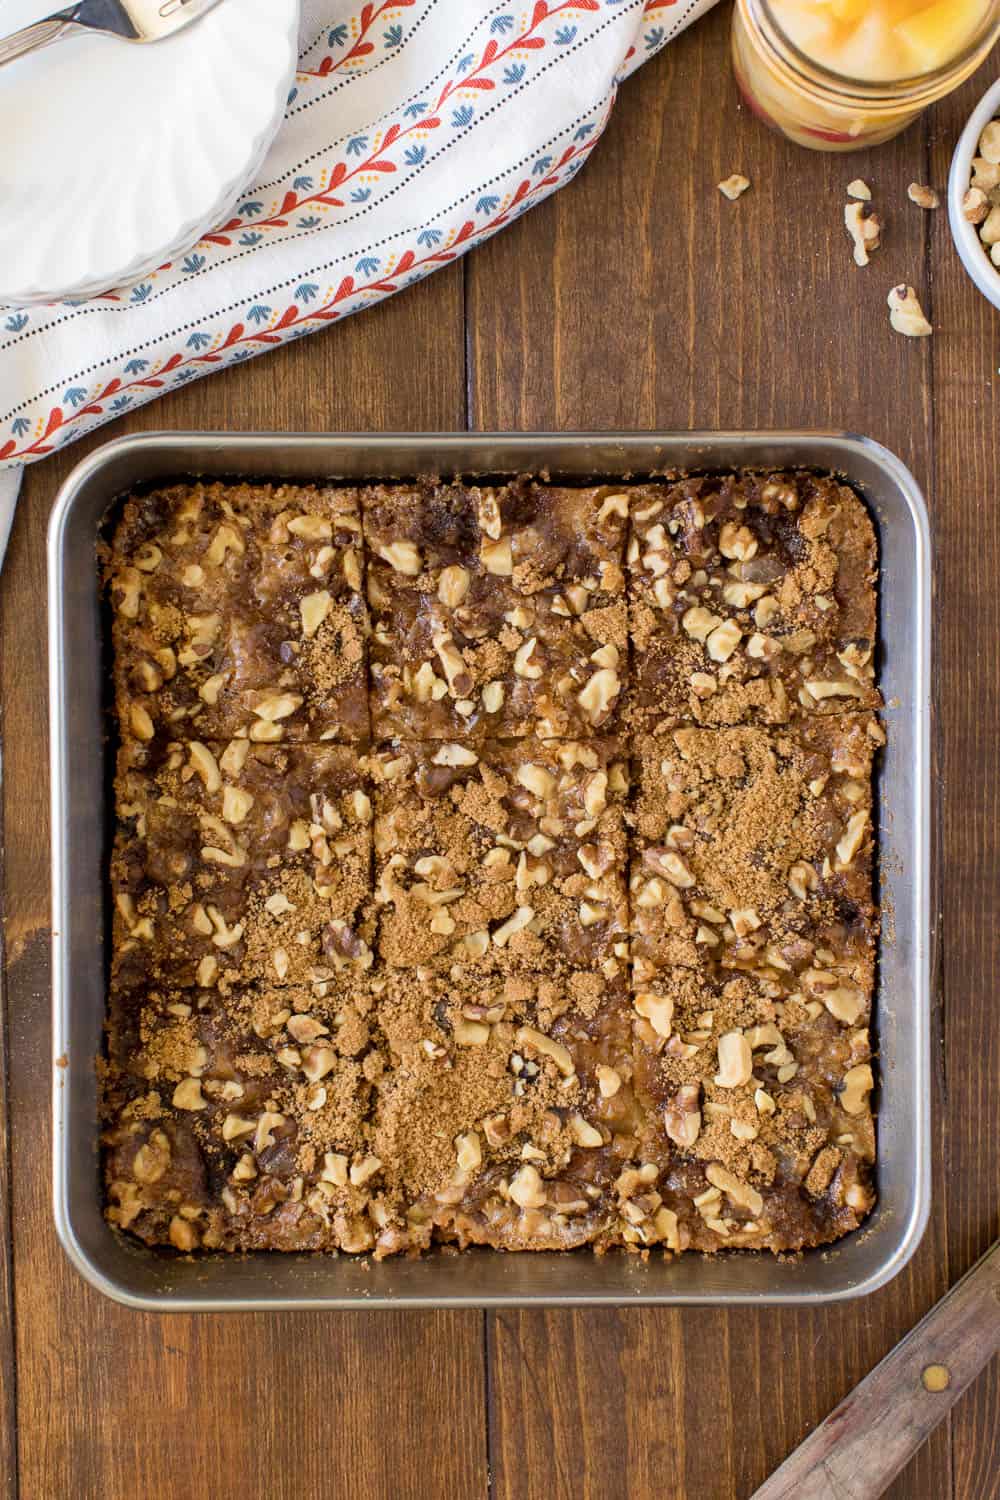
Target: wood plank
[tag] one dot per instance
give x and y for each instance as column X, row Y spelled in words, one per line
column 640, row 298
column 8, row 1384
column 967, row 486
column 114, row 1403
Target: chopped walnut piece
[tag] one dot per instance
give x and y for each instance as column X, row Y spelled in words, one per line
column 858, row 188
column 922, row 196
column 864, row 229
column 905, row 313
column 731, row 187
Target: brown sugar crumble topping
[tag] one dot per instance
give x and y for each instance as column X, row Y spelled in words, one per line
column 493, row 865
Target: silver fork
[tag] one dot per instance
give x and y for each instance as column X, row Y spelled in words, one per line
column 132, row 20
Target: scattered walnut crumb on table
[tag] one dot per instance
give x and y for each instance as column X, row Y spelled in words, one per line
column 858, row 188
column 922, row 196
column 734, row 186
column 905, row 313
column 865, row 230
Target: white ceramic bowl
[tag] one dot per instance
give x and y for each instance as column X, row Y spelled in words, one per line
column 118, row 156
column 974, row 254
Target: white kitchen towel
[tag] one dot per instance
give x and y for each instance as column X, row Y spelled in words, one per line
column 415, row 129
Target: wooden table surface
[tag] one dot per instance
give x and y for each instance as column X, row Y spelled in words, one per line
column 636, row 298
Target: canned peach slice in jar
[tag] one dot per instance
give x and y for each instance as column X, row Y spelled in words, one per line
column 837, row 75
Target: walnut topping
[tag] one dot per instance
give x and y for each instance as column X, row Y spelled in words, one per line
column 599, row 695
column 583, row 1133
column 364, row 1170
column 723, row 640
column 152, row 1159
column 527, row 1188
column 314, row 609
column 403, row 557
column 188, row 1095
column 455, row 755
column 668, row 862
column 608, row 1081
column 858, row 1083
column 469, row 1152
column 853, row 837
column 527, row 1036
column 741, row 1193
column 699, row 622
column 452, row 985
column 682, row 1116
column 658, row 1011
column 735, row 1060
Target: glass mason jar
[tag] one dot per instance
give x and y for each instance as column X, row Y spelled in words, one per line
column 816, row 107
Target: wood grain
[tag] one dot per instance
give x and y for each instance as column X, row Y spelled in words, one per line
column 112, row 1403
column 639, row 298
column 8, row 1380
column 869, row 1438
column 967, row 490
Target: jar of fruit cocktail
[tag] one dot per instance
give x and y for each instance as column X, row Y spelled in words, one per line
column 840, row 74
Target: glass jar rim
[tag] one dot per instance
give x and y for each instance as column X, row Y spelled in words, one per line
column 874, row 91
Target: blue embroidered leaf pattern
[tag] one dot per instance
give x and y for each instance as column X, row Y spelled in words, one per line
column 293, row 94
column 19, row 426
column 16, row 322
column 357, row 144
column 247, row 210
column 415, row 155
column 541, row 165
column 584, row 131
column 414, row 111
column 564, row 35
column 337, row 36
column 367, row 265
column 514, row 73
column 429, row 237
column 302, row 184
column 140, row 292
column 199, row 340
column 258, row 313
column 74, row 395
column 500, row 24
column 193, row 263
column 654, row 38
column 120, row 403
column 250, row 238
column 306, row 292
column 393, row 36
column 309, row 222
column 361, row 195
column 465, row 62
column 241, row 355
column 462, row 116
column 487, row 203
column 136, row 366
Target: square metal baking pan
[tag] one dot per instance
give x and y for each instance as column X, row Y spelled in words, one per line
column 78, row 666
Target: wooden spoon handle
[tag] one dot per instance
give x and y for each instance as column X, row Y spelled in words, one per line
column 866, row 1440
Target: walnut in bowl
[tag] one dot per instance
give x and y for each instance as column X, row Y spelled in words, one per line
column 974, row 195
